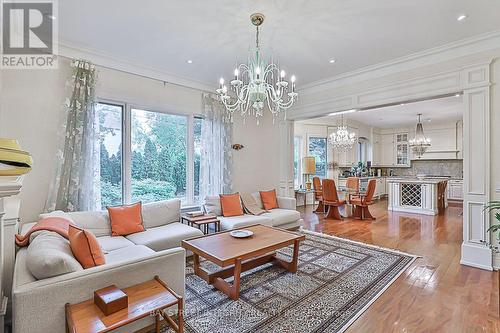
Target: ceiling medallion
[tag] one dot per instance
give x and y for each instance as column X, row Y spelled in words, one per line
column 256, row 84
column 342, row 140
column 419, row 144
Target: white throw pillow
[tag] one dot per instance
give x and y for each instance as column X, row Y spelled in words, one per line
column 50, row 255
column 212, row 205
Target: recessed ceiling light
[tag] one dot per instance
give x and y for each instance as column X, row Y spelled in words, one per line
column 332, row 61
column 457, row 95
column 190, row 61
column 461, row 17
column 402, row 104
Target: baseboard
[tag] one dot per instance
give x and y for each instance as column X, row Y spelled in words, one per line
column 478, row 256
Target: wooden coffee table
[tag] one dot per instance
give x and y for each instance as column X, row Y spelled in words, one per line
column 236, row 255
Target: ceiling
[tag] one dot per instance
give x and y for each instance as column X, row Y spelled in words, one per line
column 303, row 35
column 433, row 111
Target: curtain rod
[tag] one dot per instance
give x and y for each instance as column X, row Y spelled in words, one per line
column 143, row 76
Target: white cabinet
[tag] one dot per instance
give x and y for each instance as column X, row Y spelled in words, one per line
column 380, row 189
column 376, row 150
column 387, row 150
column 455, row 189
column 402, row 150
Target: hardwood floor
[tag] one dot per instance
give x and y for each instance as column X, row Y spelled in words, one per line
column 436, row 294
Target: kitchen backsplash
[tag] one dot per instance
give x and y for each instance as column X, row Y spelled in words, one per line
column 453, row 168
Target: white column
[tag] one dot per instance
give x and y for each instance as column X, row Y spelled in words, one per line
column 286, row 158
column 9, row 186
column 476, row 134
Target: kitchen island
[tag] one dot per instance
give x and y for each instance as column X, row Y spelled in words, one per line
column 414, row 195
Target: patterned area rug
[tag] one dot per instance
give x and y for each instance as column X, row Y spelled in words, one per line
column 337, row 280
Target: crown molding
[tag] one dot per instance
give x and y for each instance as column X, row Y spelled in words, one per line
column 442, row 53
column 66, row 49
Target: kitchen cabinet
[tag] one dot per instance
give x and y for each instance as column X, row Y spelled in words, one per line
column 387, row 150
column 455, row 189
column 402, row 150
column 376, row 150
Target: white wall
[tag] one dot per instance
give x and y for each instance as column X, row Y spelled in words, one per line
column 31, row 104
column 256, row 167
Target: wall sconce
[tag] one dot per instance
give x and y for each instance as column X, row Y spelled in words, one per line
column 237, row 146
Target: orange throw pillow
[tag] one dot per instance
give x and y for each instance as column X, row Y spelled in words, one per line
column 85, row 247
column 126, row 219
column 231, row 205
column 269, row 199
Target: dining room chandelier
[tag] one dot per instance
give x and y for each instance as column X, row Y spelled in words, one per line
column 419, row 144
column 342, row 139
column 257, row 84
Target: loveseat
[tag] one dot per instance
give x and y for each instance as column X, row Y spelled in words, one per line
column 38, row 304
column 285, row 217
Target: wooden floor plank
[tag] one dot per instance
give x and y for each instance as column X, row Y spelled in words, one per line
column 436, row 293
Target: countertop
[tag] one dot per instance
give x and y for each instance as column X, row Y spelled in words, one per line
column 416, row 180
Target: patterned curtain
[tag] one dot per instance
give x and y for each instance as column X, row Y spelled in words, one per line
column 75, row 184
column 216, row 154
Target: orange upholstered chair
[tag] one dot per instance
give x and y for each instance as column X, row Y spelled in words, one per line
column 352, row 187
column 318, row 195
column 331, row 199
column 364, row 200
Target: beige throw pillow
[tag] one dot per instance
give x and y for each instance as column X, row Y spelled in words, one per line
column 49, row 254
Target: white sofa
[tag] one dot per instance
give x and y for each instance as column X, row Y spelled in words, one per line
column 285, row 217
column 38, row 305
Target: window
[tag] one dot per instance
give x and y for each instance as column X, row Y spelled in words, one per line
column 110, row 139
column 159, row 156
column 317, row 148
column 197, row 123
column 148, row 156
column 297, row 158
column 363, row 149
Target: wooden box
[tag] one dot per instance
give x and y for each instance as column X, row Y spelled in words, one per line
column 110, row 299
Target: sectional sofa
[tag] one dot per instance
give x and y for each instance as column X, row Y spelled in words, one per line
column 38, row 304
column 285, row 217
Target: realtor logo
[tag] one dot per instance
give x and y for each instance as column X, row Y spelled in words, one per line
column 29, row 34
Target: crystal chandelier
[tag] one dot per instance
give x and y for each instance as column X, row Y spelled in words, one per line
column 256, row 84
column 342, row 140
column 419, row 143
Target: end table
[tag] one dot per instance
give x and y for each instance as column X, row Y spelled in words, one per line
column 202, row 222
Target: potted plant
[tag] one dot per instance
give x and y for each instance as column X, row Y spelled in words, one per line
column 494, row 230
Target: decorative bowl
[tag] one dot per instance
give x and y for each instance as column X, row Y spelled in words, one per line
column 241, row 233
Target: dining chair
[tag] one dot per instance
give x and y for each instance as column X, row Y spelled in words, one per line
column 318, row 195
column 331, row 199
column 352, row 188
column 363, row 201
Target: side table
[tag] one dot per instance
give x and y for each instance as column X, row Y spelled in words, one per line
column 202, row 222
column 149, row 298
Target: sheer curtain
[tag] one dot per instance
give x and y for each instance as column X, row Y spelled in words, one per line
column 75, row 184
column 216, row 154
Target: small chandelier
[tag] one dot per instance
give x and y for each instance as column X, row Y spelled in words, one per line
column 342, row 140
column 256, row 84
column 419, row 144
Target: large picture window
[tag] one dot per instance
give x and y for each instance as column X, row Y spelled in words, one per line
column 159, row 156
column 149, row 156
column 318, row 149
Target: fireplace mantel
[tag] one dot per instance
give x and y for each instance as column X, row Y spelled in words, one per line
column 9, row 186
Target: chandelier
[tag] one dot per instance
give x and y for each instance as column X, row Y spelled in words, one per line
column 419, row 143
column 256, row 84
column 342, row 140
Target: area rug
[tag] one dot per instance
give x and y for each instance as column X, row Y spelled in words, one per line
column 336, row 282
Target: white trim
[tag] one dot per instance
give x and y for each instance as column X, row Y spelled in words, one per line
column 367, row 305
column 105, row 60
column 442, row 53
